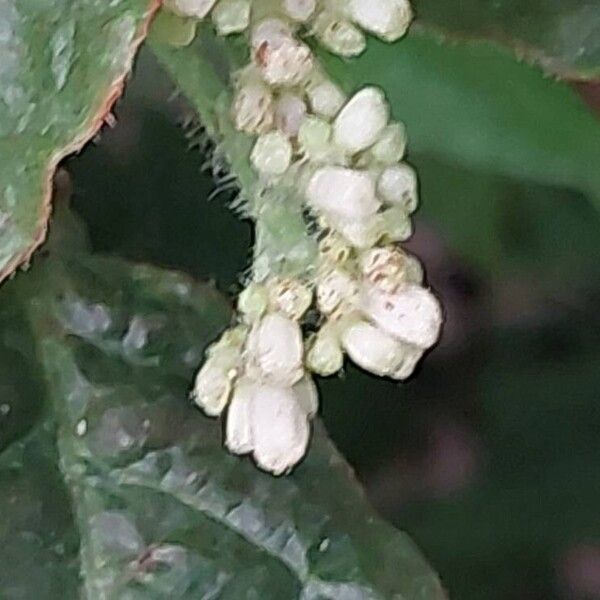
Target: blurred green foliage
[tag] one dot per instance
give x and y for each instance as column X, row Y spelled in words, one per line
column 560, row 36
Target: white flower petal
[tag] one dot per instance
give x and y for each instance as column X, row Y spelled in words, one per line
column 334, row 288
column 411, row 313
column 275, row 350
column 238, row 432
column 389, row 19
column 372, row 349
column 212, row 388
column 307, row 395
column 362, row 119
column 280, row 429
column 346, row 193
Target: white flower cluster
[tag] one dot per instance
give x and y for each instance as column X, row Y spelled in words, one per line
column 338, row 24
column 344, row 155
column 257, row 370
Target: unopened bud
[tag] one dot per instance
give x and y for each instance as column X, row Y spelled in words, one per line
column 388, row 19
column 253, row 301
column 325, row 98
column 289, row 296
column 340, row 36
column 197, row 9
column 272, row 154
column 398, row 185
column 361, row 121
column 231, row 16
column 314, row 138
column 383, row 267
column 253, row 110
column 325, row 356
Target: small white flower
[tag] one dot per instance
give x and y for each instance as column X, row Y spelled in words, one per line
column 314, row 138
column 389, row 19
column 274, row 351
column 270, row 31
column 345, row 193
column 253, row 108
column 339, row 35
column 379, row 353
column 398, row 185
column 289, row 296
column 336, row 288
column 280, row 57
column 299, row 10
column 231, row 16
column 197, row 9
column 361, row 121
column 290, row 111
column 383, row 267
column 212, row 386
column 334, row 248
column 325, row 98
column 272, row 154
column 325, row 356
column 411, row 313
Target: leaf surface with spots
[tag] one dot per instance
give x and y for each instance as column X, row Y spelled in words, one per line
column 63, row 65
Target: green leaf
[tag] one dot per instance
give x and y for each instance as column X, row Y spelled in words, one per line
column 472, row 105
column 563, row 36
column 162, row 510
column 39, row 543
column 64, row 63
